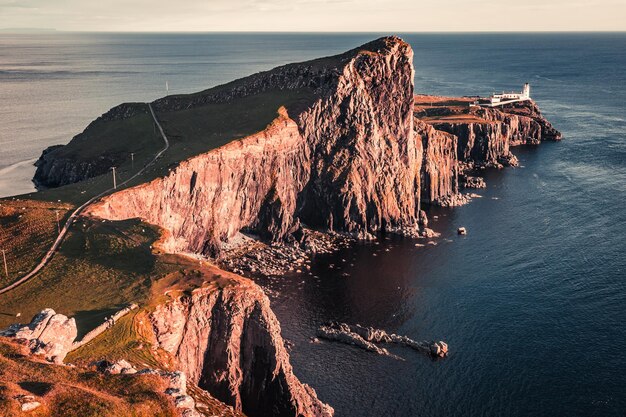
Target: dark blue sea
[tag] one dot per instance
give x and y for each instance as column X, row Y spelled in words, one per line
column 532, row 301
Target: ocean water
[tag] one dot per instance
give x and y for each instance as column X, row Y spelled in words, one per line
column 532, row 301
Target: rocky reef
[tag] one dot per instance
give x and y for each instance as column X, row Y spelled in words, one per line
column 228, row 342
column 368, row 337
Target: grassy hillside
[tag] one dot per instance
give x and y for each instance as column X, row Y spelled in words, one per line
column 100, row 266
column 27, row 229
column 190, row 131
column 66, row 391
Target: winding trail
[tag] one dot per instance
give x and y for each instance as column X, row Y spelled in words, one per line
column 57, row 243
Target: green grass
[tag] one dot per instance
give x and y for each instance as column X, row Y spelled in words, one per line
column 122, row 341
column 27, row 230
column 101, row 267
column 200, row 129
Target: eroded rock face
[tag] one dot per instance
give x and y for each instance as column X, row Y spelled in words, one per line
column 228, row 342
column 480, row 137
column 348, row 162
column 209, row 198
column 485, row 135
column 529, row 109
column 440, row 168
column 48, row 334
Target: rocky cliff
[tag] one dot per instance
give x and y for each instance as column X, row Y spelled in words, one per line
column 485, row 135
column 440, row 168
column 348, row 161
column 479, row 137
column 227, row 340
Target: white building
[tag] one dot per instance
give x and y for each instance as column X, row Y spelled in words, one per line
column 505, row 98
column 524, row 95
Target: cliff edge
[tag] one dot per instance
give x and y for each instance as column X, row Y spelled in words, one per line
column 348, row 161
column 227, row 340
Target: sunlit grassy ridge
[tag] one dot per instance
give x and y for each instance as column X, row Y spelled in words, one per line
column 66, row 391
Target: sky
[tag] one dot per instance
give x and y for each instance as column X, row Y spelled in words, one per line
column 314, row 15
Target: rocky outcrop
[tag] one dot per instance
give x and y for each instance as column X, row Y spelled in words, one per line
column 348, row 162
column 176, row 383
column 48, row 334
column 481, row 142
column 481, row 137
column 54, row 170
column 529, row 109
column 367, row 337
column 485, row 135
column 439, row 172
column 228, row 342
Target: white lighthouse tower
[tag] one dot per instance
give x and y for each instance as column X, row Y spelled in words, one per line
column 526, row 92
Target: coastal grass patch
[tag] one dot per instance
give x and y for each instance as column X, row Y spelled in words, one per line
column 200, row 129
column 100, row 267
column 27, row 230
column 129, row 339
column 69, row 391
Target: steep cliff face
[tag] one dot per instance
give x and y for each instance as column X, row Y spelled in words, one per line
column 348, row 161
column 440, row 168
column 227, row 340
column 487, row 134
column 365, row 172
column 207, row 199
column 478, row 137
column 529, row 109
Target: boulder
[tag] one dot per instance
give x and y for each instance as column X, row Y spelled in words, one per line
column 30, row 406
column 48, row 334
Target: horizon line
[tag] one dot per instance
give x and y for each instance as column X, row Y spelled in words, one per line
column 48, row 30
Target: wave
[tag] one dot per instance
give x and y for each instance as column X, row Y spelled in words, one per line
column 13, row 167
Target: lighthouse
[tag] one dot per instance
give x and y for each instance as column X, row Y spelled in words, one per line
column 505, row 98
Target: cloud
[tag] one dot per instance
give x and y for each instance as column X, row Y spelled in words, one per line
column 312, row 15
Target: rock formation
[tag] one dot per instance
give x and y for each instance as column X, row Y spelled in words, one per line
column 481, row 137
column 228, row 342
column 367, row 337
column 440, row 168
column 485, row 135
column 354, row 157
column 48, row 334
column 348, row 162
